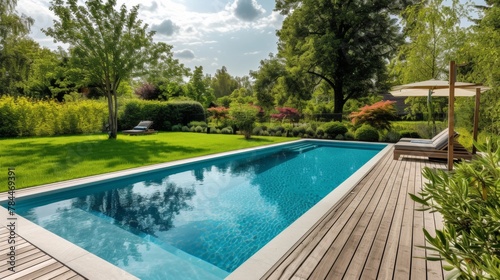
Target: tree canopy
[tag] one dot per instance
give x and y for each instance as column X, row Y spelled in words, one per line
column 346, row 44
column 109, row 44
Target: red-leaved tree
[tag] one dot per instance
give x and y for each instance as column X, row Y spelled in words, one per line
column 286, row 113
column 218, row 113
column 379, row 115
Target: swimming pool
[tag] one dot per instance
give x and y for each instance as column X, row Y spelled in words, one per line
column 202, row 220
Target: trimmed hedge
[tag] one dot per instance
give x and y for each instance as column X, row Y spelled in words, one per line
column 333, row 129
column 367, row 133
column 163, row 114
column 20, row 116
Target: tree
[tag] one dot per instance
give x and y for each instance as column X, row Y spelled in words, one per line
column 266, row 78
column 14, row 46
column 223, row 83
column 378, row 115
column 244, row 117
column 109, row 45
column 346, row 44
column 433, row 38
column 199, row 87
column 481, row 52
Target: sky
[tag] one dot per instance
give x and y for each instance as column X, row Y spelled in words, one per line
column 237, row 34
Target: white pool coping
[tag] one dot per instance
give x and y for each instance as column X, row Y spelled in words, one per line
column 93, row 267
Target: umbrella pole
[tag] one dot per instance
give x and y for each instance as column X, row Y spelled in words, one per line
column 476, row 120
column 451, row 118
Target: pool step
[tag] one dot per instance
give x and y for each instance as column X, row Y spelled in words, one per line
column 302, row 148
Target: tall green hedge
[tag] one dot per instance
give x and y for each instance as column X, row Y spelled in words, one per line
column 24, row 117
column 20, row 116
column 163, row 114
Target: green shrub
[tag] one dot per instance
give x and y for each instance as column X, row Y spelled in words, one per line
column 332, row 129
column 197, row 123
column 349, row 136
column 185, row 129
column 264, row 133
column 162, row 113
column 366, row 133
column 310, row 131
column 227, row 130
column 177, row 127
column 198, row 129
column 391, row 136
column 257, row 130
column 409, row 134
column 276, row 129
column 469, row 202
column 244, row 117
column 24, row 117
column 320, row 132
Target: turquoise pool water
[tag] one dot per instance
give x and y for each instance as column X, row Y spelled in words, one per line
column 201, row 220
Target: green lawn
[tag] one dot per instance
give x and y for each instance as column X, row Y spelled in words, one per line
column 51, row 159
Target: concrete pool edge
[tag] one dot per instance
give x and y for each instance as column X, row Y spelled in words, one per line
column 76, row 258
column 262, row 261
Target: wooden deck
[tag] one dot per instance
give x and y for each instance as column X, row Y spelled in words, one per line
column 30, row 262
column 371, row 234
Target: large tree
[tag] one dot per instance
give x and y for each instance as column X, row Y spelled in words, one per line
column 109, row 44
column 433, row 37
column 345, row 43
column 223, row 83
column 14, row 47
column 199, row 87
column 482, row 52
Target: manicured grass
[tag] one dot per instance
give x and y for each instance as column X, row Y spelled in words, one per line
column 51, row 159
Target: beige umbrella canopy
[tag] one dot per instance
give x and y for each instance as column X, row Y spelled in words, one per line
column 443, row 88
column 432, row 84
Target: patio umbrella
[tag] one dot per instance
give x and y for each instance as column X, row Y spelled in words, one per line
column 442, row 88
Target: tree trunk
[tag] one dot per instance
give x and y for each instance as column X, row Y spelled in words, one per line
column 112, row 129
column 338, row 101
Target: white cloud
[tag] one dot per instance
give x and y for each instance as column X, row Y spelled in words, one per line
column 247, row 10
column 187, row 54
column 251, row 53
column 167, row 27
column 199, row 31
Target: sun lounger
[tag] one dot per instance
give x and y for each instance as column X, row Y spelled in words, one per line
column 142, row 128
column 434, row 148
column 426, row 141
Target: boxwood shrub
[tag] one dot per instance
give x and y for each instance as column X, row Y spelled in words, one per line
column 366, row 133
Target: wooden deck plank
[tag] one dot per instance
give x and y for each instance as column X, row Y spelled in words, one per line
column 31, row 262
column 55, row 272
column 338, row 233
column 69, row 274
column 373, row 263
column 371, row 234
column 361, row 253
column 418, row 267
column 404, row 254
column 42, row 272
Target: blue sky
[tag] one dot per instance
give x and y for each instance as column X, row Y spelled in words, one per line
column 236, row 34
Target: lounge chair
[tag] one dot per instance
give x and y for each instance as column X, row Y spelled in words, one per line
column 142, row 128
column 426, row 141
column 431, row 148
